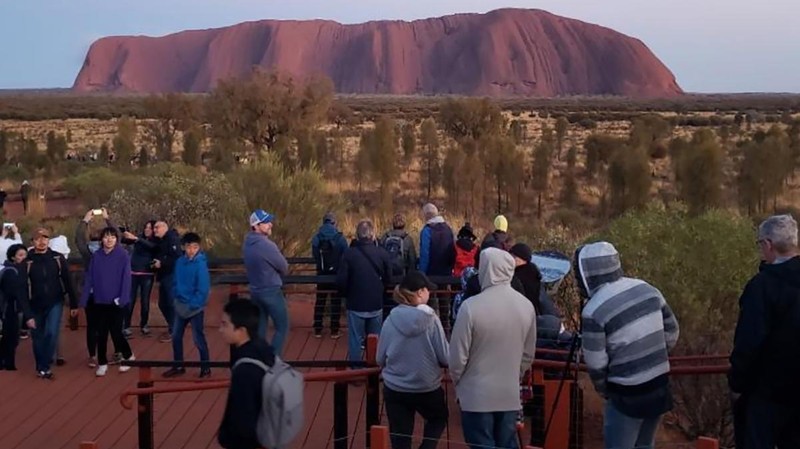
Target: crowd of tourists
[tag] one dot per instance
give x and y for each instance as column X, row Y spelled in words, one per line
column 486, row 337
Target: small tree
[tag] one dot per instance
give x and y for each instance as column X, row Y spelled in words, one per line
column 430, row 158
column 144, row 156
column 192, row 139
column 5, row 143
column 104, row 153
column 629, row 179
column 701, row 173
column 453, row 174
column 562, row 127
column 123, row 143
column 542, row 160
column 569, row 192
column 471, row 118
column 409, row 142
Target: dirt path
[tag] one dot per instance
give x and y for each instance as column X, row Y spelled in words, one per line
column 57, row 207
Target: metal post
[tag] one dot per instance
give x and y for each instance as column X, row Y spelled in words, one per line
column 145, row 410
column 373, row 387
column 340, row 415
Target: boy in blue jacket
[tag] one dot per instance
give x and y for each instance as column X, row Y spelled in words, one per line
column 190, row 289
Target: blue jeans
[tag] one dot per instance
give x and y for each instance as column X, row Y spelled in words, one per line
column 197, row 335
column 624, row 432
column 45, row 336
column 272, row 305
column 141, row 286
column 357, row 330
column 165, row 304
column 490, row 429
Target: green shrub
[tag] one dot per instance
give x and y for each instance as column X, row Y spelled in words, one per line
column 95, row 187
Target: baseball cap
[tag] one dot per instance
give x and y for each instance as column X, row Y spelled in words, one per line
column 416, row 280
column 260, row 216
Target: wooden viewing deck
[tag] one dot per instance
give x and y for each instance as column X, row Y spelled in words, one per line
column 77, row 406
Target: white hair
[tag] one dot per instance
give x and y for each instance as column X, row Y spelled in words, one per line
column 365, row 230
column 781, row 230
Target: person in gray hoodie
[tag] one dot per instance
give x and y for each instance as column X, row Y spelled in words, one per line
column 492, row 345
column 412, row 351
column 265, row 266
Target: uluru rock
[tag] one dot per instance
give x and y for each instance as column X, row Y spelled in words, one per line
column 507, row 52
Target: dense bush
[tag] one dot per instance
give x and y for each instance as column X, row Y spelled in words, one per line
column 700, row 264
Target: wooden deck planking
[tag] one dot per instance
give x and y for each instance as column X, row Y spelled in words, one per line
column 78, row 407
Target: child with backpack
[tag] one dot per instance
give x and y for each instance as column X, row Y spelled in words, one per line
column 412, row 350
column 265, row 401
column 465, row 249
column 190, row 289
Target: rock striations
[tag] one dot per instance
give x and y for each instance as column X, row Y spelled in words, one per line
column 507, row 52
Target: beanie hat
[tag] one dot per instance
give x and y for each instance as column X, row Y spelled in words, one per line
column 501, row 223
column 522, row 251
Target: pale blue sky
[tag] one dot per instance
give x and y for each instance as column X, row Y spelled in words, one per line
column 710, row 45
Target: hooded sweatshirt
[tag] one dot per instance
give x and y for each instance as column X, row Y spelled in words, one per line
column 493, row 341
column 412, row 350
column 192, row 281
column 628, row 328
column 108, row 278
column 328, row 231
column 263, row 262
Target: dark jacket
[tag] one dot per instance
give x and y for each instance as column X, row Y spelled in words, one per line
column 168, row 249
column 409, row 251
column 143, row 251
column 496, row 239
column 15, row 288
column 49, row 280
column 766, row 355
column 531, row 281
column 82, row 241
column 437, row 248
column 238, row 428
column 364, row 276
column 328, row 232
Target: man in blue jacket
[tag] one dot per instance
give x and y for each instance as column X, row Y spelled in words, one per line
column 327, row 247
column 437, row 252
column 265, row 265
column 190, row 290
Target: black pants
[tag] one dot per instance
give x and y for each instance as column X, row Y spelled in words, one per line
column 319, row 307
column 401, row 408
column 91, row 327
column 109, row 320
column 760, row 423
column 10, row 338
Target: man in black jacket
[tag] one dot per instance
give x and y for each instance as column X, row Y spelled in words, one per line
column 48, row 281
column 363, row 278
column 765, row 360
column 239, row 328
column 168, row 250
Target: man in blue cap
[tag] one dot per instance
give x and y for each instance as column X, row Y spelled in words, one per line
column 265, row 265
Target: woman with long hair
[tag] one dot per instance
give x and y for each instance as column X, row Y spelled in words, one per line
column 142, row 276
column 14, row 287
column 108, row 281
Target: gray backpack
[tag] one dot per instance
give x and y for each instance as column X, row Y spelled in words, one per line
column 281, row 417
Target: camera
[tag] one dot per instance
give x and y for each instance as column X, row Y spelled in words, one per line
column 97, row 211
column 8, row 225
column 123, row 229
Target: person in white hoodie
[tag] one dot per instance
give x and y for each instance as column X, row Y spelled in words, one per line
column 412, row 350
column 492, row 345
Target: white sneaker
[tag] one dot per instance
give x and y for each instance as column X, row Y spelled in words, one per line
column 101, row 370
column 125, row 369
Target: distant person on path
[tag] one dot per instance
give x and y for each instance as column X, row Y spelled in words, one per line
column 48, row 282
column 766, row 346
column 265, row 267
column 108, row 282
column 14, row 288
column 142, row 275
column 328, row 247
column 363, row 279
column 628, row 330
column 191, row 289
column 168, row 250
column 412, row 350
column 24, row 193
column 492, row 346
column 239, row 328
column 3, row 196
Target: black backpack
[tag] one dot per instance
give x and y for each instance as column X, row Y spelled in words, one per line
column 329, row 254
column 393, row 244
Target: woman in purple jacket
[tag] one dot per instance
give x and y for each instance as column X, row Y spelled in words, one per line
column 109, row 282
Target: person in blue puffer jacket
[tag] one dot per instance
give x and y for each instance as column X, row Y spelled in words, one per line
column 190, row 290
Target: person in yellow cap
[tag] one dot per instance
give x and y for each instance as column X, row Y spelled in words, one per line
column 498, row 238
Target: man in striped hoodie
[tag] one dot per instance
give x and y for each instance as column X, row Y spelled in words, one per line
column 628, row 329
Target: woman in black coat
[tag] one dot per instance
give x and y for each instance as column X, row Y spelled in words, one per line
column 14, row 288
